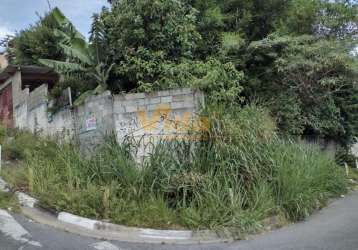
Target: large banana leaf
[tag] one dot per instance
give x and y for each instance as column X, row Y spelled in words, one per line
column 66, row 24
column 62, row 67
column 78, row 50
column 80, row 56
column 63, row 37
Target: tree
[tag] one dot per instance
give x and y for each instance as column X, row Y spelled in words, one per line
column 337, row 18
column 152, row 43
column 309, row 83
column 162, row 25
column 210, row 24
column 144, row 34
column 255, row 19
column 220, row 81
column 294, row 55
column 36, row 42
column 98, row 38
column 80, row 57
column 300, row 17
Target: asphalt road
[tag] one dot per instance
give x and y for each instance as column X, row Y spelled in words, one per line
column 333, row 228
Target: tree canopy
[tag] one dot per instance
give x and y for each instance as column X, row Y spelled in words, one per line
column 294, row 56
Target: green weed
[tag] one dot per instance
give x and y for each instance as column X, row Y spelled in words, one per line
column 8, row 201
column 236, row 177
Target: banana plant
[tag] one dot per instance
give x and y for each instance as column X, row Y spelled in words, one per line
column 80, row 56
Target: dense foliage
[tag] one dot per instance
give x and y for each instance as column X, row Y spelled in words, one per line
column 152, row 41
column 310, row 85
column 291, row 55
column 295, row 56
column 36, row 42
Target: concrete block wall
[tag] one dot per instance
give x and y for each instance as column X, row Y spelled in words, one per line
column 20, row 115
column 37, row 118
column 145, row 118
column 150, row 114
column 149, row 118
column 37, row 121
column 30, row 112
column 61, row 125
column 19, row 96
column 94, row 120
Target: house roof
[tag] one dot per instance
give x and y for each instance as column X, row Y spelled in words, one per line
column 30, row 75
column 6, row 73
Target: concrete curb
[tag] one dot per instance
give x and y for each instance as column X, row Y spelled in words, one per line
column 26, row 200
column 109, row 231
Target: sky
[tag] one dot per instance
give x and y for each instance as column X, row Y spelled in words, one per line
column 16, row 15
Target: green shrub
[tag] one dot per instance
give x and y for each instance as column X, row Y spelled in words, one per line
column 289, row 75
column 16, row 145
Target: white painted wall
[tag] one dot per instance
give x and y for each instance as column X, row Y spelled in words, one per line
column 355, row 150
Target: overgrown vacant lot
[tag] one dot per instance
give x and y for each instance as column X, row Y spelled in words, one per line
column 240, row 174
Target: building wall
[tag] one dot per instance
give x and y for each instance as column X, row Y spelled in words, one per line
column 20, row 98
column 30, row 111
column 145, row 118
column 61, row 125
column 94, row 120
column 3, row 62
column 37, row 119
column 355, row 150
column 148, row 118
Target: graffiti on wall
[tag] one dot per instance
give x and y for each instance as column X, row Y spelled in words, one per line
column 164, row 122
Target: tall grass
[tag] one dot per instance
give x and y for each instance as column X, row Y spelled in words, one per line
column 305, row 178
column 239, row 174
